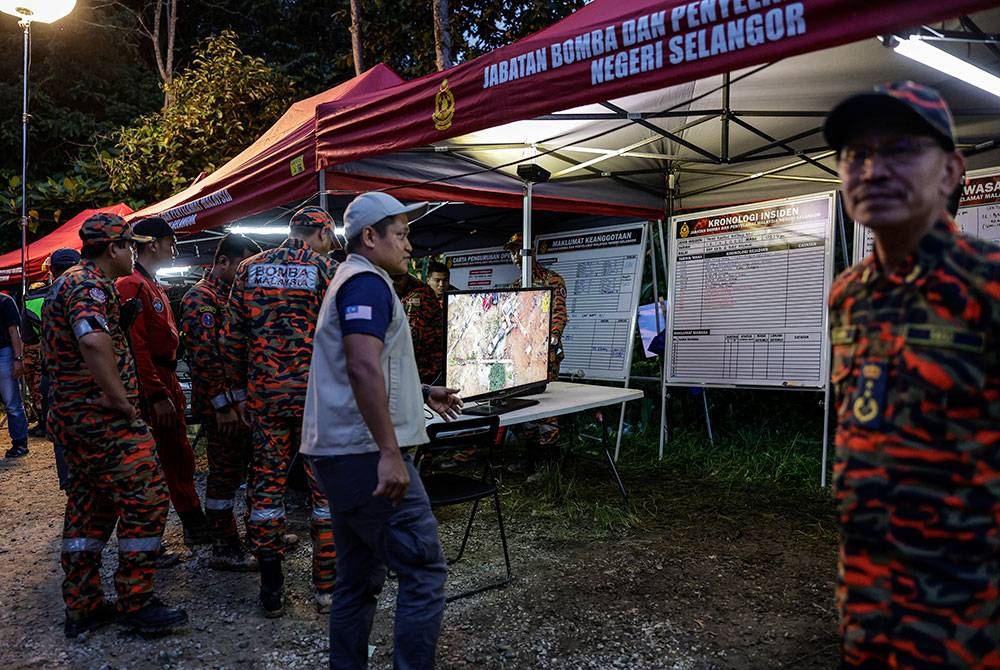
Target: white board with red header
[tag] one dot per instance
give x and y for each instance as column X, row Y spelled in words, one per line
column 747, row 294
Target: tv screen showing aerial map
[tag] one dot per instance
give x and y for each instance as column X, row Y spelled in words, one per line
column 497, row 340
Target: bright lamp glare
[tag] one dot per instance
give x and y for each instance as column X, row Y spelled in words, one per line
column 922, row 52
column 259, row 230
column 43, row 11
column 174, row 271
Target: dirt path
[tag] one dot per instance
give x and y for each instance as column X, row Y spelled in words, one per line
column 725, row 582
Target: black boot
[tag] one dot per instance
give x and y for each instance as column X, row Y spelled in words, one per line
column 196, row 528
column 272, row 582
column 155, row 617
column 78, row 623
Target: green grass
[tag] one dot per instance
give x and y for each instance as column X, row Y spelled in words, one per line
column 770, row 463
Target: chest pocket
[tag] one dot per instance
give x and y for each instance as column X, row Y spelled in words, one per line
column 944, row 374
column 946, row 358
column 845, row 345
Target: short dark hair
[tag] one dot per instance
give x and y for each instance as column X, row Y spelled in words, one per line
column 438, row 267
column 380, row 227
column 235, row 246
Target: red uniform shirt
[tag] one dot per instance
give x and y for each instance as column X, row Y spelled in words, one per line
column 154, row 334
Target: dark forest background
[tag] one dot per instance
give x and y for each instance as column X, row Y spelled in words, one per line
column 130, row 100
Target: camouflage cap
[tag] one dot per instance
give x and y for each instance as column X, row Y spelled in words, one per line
column 106, row 227
column 515, row 242
column 311, row 217
column 914, row 105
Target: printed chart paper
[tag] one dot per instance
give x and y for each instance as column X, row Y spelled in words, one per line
column 747, row 294
column 602, row 268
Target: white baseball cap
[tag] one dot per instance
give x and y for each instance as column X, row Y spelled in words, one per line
column 369, row 208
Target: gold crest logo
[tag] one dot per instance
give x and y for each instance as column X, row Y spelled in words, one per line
column 685, row 231
column 298, row 165
column 865, row 409
column 444, row 107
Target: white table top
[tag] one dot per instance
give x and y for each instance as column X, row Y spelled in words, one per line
column 566, row 398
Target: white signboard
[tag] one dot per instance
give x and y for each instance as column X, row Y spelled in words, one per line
column 602, row 268
column 747, row 294
column 480, row 269
column 978, row 212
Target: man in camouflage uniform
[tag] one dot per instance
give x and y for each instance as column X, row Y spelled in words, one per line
column 273, row 307
column 542, row 277
column 154, row 341
column 916, row 375
column 438, row 276
column 115, row 477
column 423, row 310
column 214, row 405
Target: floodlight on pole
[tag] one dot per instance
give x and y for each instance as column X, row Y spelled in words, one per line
column 27, row 12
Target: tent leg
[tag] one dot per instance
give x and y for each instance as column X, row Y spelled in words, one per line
column 708, row 417
column 826, row 436
column 323, row 199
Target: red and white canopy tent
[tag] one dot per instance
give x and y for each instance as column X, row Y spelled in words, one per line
column 619, row 101
column 65, row 236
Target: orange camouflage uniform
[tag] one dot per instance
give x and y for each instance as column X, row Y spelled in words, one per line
column 916, row 375
column 423, row 311
column 202, row 311
column 268, row 337
column 114, row 474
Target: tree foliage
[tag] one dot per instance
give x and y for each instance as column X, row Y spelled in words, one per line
column 221, row 104
column 98, row 133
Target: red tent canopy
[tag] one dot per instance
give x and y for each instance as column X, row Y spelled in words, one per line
column 65, row 236
column 606, row 50
column 279, row 168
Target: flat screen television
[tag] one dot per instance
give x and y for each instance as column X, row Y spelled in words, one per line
column 497, row 346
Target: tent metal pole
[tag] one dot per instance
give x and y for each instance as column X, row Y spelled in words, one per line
column 843, row 232
column 724, row 117
column 664, row 396
column 708, row 417
column 526, row 256
column 826, row 435
column 321, row 176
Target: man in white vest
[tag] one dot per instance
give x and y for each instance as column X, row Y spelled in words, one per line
column 364, row 412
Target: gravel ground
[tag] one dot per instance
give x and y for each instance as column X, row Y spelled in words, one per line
column 717, row 579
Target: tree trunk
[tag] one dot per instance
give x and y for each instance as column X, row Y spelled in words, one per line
column 442, row 35
column 359, row 59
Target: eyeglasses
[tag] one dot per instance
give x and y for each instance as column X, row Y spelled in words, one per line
column 902, row 150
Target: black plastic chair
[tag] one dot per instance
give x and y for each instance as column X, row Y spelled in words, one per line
column 452, row 488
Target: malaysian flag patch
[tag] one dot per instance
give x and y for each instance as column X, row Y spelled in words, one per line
column 358, row 312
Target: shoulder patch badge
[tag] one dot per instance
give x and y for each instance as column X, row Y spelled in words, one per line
column 157, row 305
column 98, row 294
column 208, row 320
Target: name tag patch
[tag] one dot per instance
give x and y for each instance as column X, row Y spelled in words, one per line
column 352, row 312
column 294, row 277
